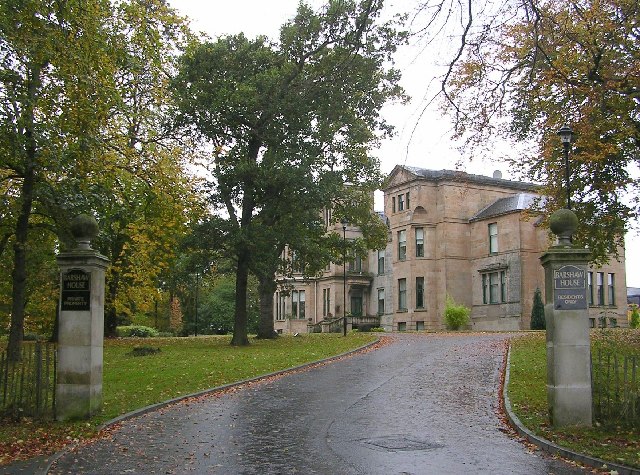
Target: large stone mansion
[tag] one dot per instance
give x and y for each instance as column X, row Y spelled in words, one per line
column 450, row 233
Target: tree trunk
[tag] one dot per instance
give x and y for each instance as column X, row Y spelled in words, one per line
column 19, row 274
column 56, row 322
column 110, row 315
column 240, row 337
column 113, row 286
column 266, row 289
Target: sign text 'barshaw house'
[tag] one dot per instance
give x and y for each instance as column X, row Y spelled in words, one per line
column 570, row 288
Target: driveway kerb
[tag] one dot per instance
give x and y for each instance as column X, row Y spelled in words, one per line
column 549, row 446
column 160, row 405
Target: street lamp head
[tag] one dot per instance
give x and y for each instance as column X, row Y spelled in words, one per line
column 344, row 224
column 566, row 135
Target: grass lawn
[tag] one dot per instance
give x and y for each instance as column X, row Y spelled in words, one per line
column 183, row 366
column 528, row 396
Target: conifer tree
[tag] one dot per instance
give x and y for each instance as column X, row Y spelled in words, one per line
column 537, row 312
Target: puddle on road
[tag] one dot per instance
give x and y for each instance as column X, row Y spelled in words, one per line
column 401, row 443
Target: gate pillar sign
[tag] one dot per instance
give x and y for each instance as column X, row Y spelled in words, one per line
column 567, row 322
column 81, row 325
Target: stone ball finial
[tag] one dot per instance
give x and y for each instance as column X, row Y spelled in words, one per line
column 84, row 229
column 563, row 223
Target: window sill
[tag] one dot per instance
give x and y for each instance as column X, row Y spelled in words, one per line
column 402, row 310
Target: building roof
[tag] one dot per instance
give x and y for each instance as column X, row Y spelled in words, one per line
column 506, row 205
column 453, row 175
column 633, row 292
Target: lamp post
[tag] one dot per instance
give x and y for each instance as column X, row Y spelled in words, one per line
column 196, row 304
column 344, row 276
column 156, row 312
column 566, row 134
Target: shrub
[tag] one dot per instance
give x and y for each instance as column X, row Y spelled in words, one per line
column 537, row 312
column 137, row 331
column 455, row 316
column 140, row 331
column 144, row 351
column 166, row 334
column 634, row 321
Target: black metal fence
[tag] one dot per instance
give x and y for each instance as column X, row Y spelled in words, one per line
column 27, row 388
column 616, row 389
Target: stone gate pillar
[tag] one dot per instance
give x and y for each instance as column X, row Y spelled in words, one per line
column 567, row 321
column 81, row 325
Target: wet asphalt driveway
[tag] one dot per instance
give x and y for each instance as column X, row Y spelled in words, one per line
column 424, row 404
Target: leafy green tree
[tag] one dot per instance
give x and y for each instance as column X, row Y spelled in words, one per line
column 41, row 287
column 298, row 231
column 537, row 312
column 286, row 120
column 217, row 308
column 538, row 65
column 82, row 131
column 141, row 234
column 53, row 103
column 146, row 197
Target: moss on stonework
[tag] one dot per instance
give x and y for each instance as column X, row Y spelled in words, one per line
column 84, row 226
column 563, row 221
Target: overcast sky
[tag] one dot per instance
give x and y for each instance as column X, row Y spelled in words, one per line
column 423, row 143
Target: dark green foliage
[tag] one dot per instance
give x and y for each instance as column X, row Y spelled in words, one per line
column 136, row 331
column 537, row 312
column 289, row 124
column 217, row 306
column 29, row 336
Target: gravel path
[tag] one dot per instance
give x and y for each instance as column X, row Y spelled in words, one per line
column 424, row 404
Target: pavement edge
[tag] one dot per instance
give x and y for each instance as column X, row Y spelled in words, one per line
column 547, row 445
column 160, row 405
